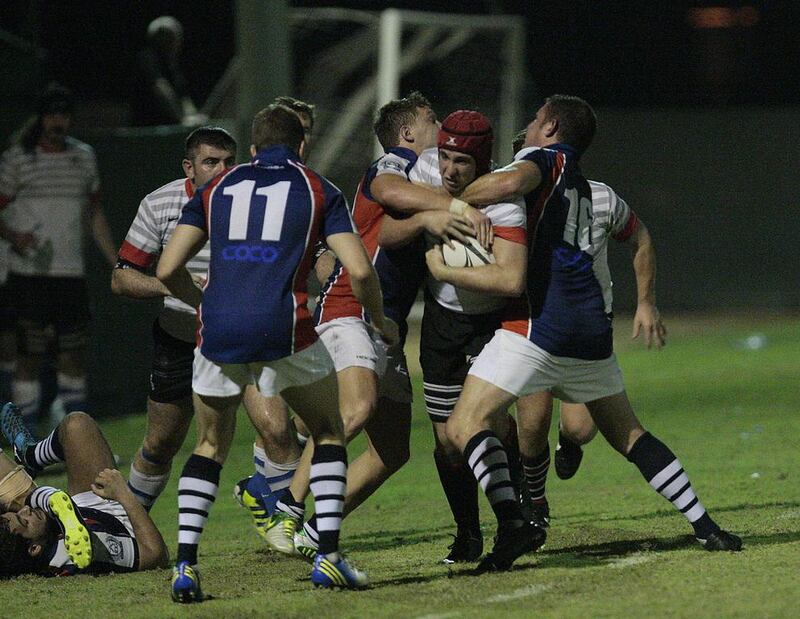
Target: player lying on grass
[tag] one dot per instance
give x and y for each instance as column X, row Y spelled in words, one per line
column 558, row 337
column 97, row 526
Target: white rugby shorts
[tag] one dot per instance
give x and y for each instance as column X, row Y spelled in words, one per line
column 517, row 365
column 352, row 343
column 310, row 365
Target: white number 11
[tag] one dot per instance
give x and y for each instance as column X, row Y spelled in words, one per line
column 276, row 196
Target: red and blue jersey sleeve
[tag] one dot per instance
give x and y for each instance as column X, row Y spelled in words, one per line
column 194, row 213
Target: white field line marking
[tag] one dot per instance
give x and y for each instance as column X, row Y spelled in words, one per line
column 440, row 616
column 518, row 594
column 636, row 559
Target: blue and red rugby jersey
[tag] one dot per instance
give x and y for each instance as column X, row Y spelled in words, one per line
column 401, row 271
column 263, row 220
column 567, row 308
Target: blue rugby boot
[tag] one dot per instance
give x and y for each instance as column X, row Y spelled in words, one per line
column 339, row 573
column 186, row 584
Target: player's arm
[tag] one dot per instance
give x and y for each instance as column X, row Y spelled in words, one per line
column 647, row 319
column 101, row 232
column 442, row 224
column 398, row 194
column 367, row 289
column 129, row 281
column 153, row 552
column 504, row 278
column 513, row 181
column 185, row 242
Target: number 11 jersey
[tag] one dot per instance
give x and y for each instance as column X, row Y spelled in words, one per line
column 263, row 220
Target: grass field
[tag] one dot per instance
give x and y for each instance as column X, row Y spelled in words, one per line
column 728, row 407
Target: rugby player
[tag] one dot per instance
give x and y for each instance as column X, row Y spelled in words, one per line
column 256, row 328
column 208, row 152
column 98, row 527
column 378, row 403
column 558, row 338
column 457, row 323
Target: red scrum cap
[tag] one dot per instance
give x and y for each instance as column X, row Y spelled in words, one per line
column 468, row 132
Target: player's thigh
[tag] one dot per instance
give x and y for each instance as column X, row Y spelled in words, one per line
column 216, row 424
column 358, row 394
column 616, row 421
column 317, row 404
column 269, row 414
column 481, row 406
column 86, row 451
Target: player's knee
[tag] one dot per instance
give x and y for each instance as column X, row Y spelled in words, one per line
column 355, row 418
column 77, row 422
column 160, row 447
column 456, row 432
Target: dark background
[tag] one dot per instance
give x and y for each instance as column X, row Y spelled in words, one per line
column 617, row 53
column 699, row 112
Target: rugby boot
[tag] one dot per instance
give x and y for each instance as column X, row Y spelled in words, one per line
column 721, row 540
column 337, row 572
column 18, row 436
column 467, row 546
column 186, row 584
column 77, row 542
column 567, row 458
column 509, row 545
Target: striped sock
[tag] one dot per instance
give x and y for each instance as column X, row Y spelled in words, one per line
column 45, row 452
column 328, row 484
column 536, row 474
column 664, row 473
column 72, row 392
column 40, row 497
column 289, row 505
column 197, row 490
column 487, row 458
column 310, row 529
column 277, row 475
column 146, row 488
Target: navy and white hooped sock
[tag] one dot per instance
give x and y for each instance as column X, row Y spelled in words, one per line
column 46, row 452
column 487, row 458
column 663, row 471
column 146, row 488
column 197, row 491
column 535, row 470
column 328, row 483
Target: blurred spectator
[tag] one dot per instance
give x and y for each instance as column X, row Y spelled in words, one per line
column 161, row 92
column 49, row 196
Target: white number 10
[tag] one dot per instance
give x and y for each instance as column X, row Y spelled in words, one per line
column 274, row 209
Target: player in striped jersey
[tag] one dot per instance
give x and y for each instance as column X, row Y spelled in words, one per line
column 263, row 220
column 49, row 191
column 208, row 152
column 457, row 323
column 558, row 337
column 98, row 528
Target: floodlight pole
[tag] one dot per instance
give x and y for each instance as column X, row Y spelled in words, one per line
column 390, row 41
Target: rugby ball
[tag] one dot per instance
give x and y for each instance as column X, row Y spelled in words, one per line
column 470, row 255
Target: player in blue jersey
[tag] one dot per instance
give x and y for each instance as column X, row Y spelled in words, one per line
column 263, row 220
column 558, row 338
column 99, row 527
